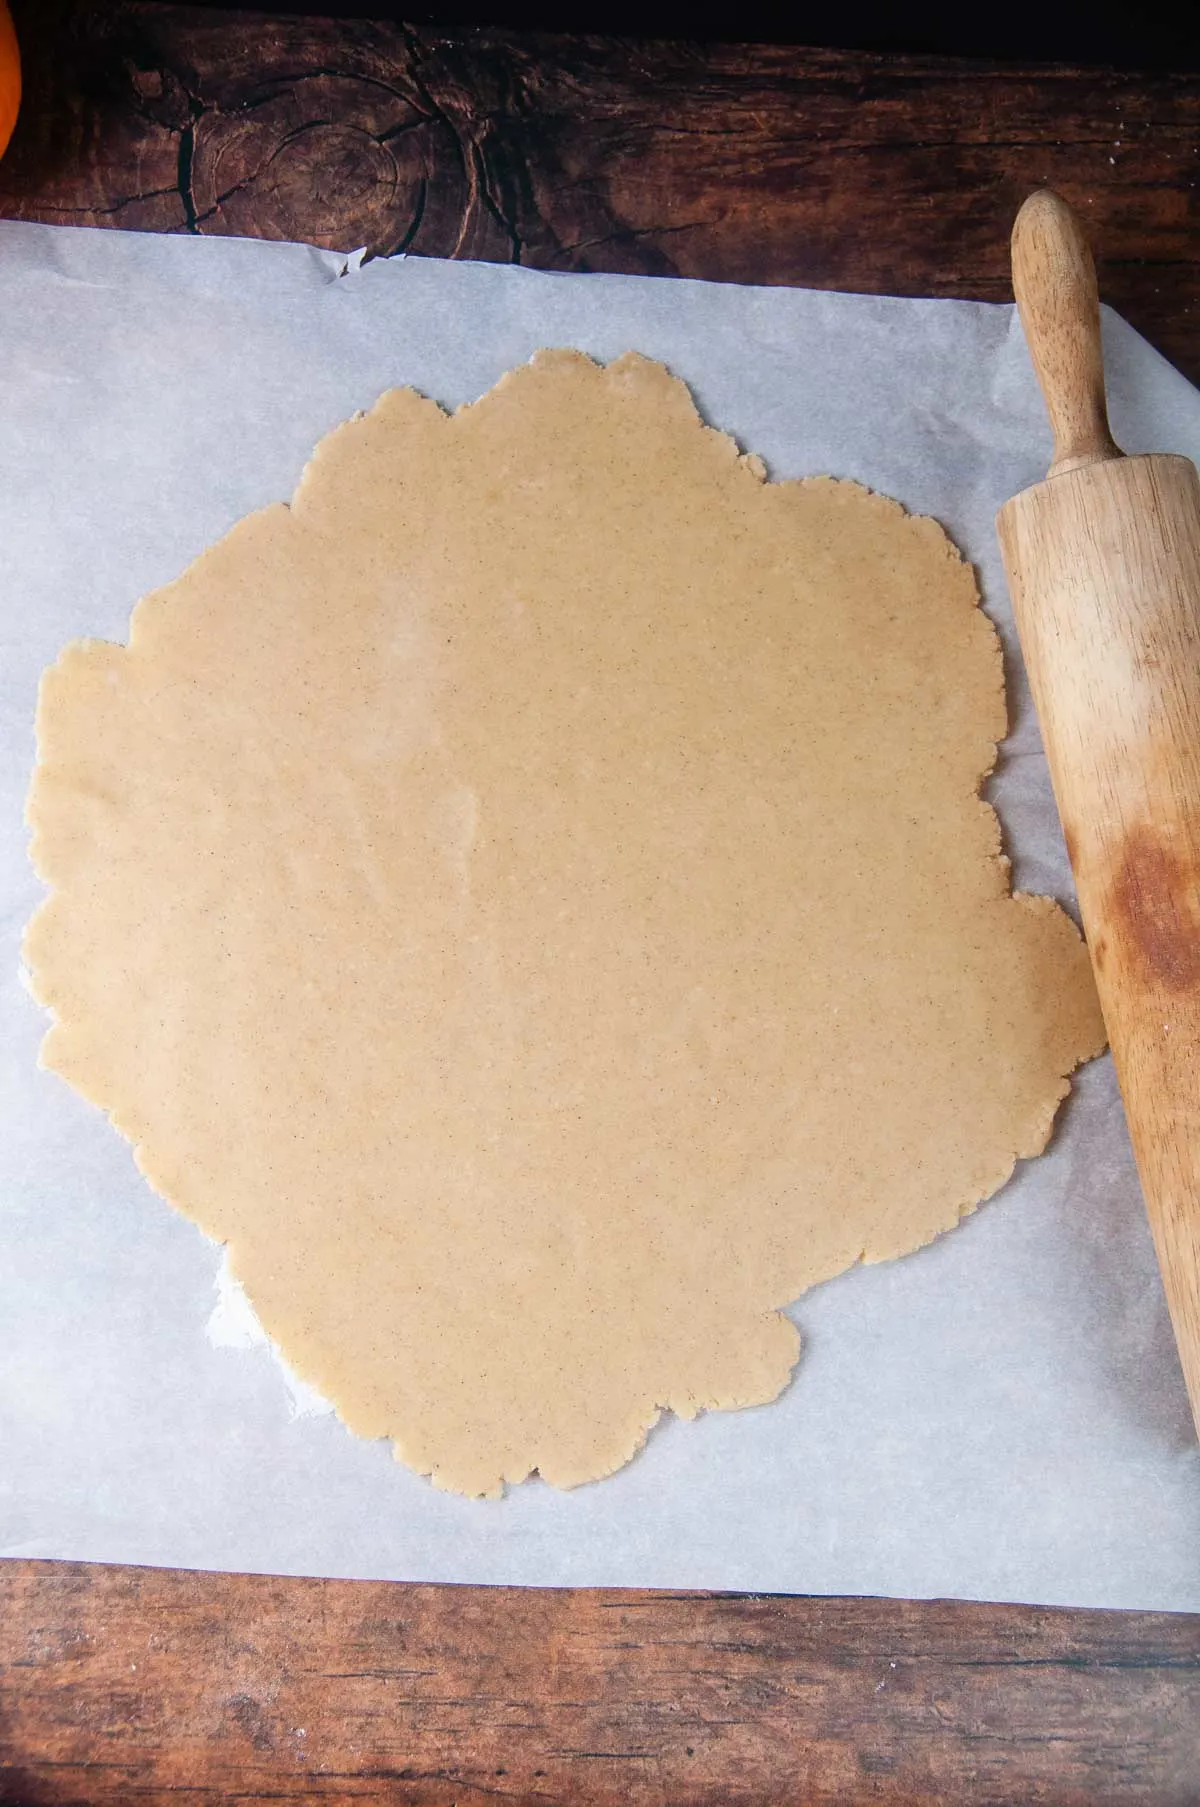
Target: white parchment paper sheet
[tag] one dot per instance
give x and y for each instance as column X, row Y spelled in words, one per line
column 1000, row 1417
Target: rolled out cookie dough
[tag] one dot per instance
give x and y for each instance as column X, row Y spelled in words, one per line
column 531, row 899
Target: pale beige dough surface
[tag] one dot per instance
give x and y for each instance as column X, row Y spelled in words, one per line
column 531, row 899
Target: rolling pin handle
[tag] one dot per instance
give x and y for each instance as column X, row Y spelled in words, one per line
column 1055, row 284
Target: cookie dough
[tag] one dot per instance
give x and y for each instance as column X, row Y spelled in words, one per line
column 531, row 898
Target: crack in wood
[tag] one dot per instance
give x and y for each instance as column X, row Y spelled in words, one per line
column 559, row 153
column 113, row 207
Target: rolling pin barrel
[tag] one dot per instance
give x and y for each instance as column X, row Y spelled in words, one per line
column 1103, row 561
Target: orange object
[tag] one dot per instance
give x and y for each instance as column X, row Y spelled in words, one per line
column 10, row 76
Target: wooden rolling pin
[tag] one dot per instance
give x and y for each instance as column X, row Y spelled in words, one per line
column 1103, row 562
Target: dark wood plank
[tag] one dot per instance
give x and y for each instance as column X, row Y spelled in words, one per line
column 154, row 1685
column 1156, row 34
column 746, row 163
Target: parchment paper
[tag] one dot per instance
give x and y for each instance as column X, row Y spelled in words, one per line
column 999, row 1417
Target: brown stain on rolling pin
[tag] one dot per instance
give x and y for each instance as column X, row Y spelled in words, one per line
column 1103, row 561
column 1154, row 903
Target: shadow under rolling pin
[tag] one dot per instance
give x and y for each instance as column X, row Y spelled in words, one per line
column 1103, row 561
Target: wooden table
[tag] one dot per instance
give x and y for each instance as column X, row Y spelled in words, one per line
column 743, row 164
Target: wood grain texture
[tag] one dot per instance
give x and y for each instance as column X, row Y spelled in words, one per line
column 737, row 163
column 1054, row 279
column 1103, row 563
column 159, row 1686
